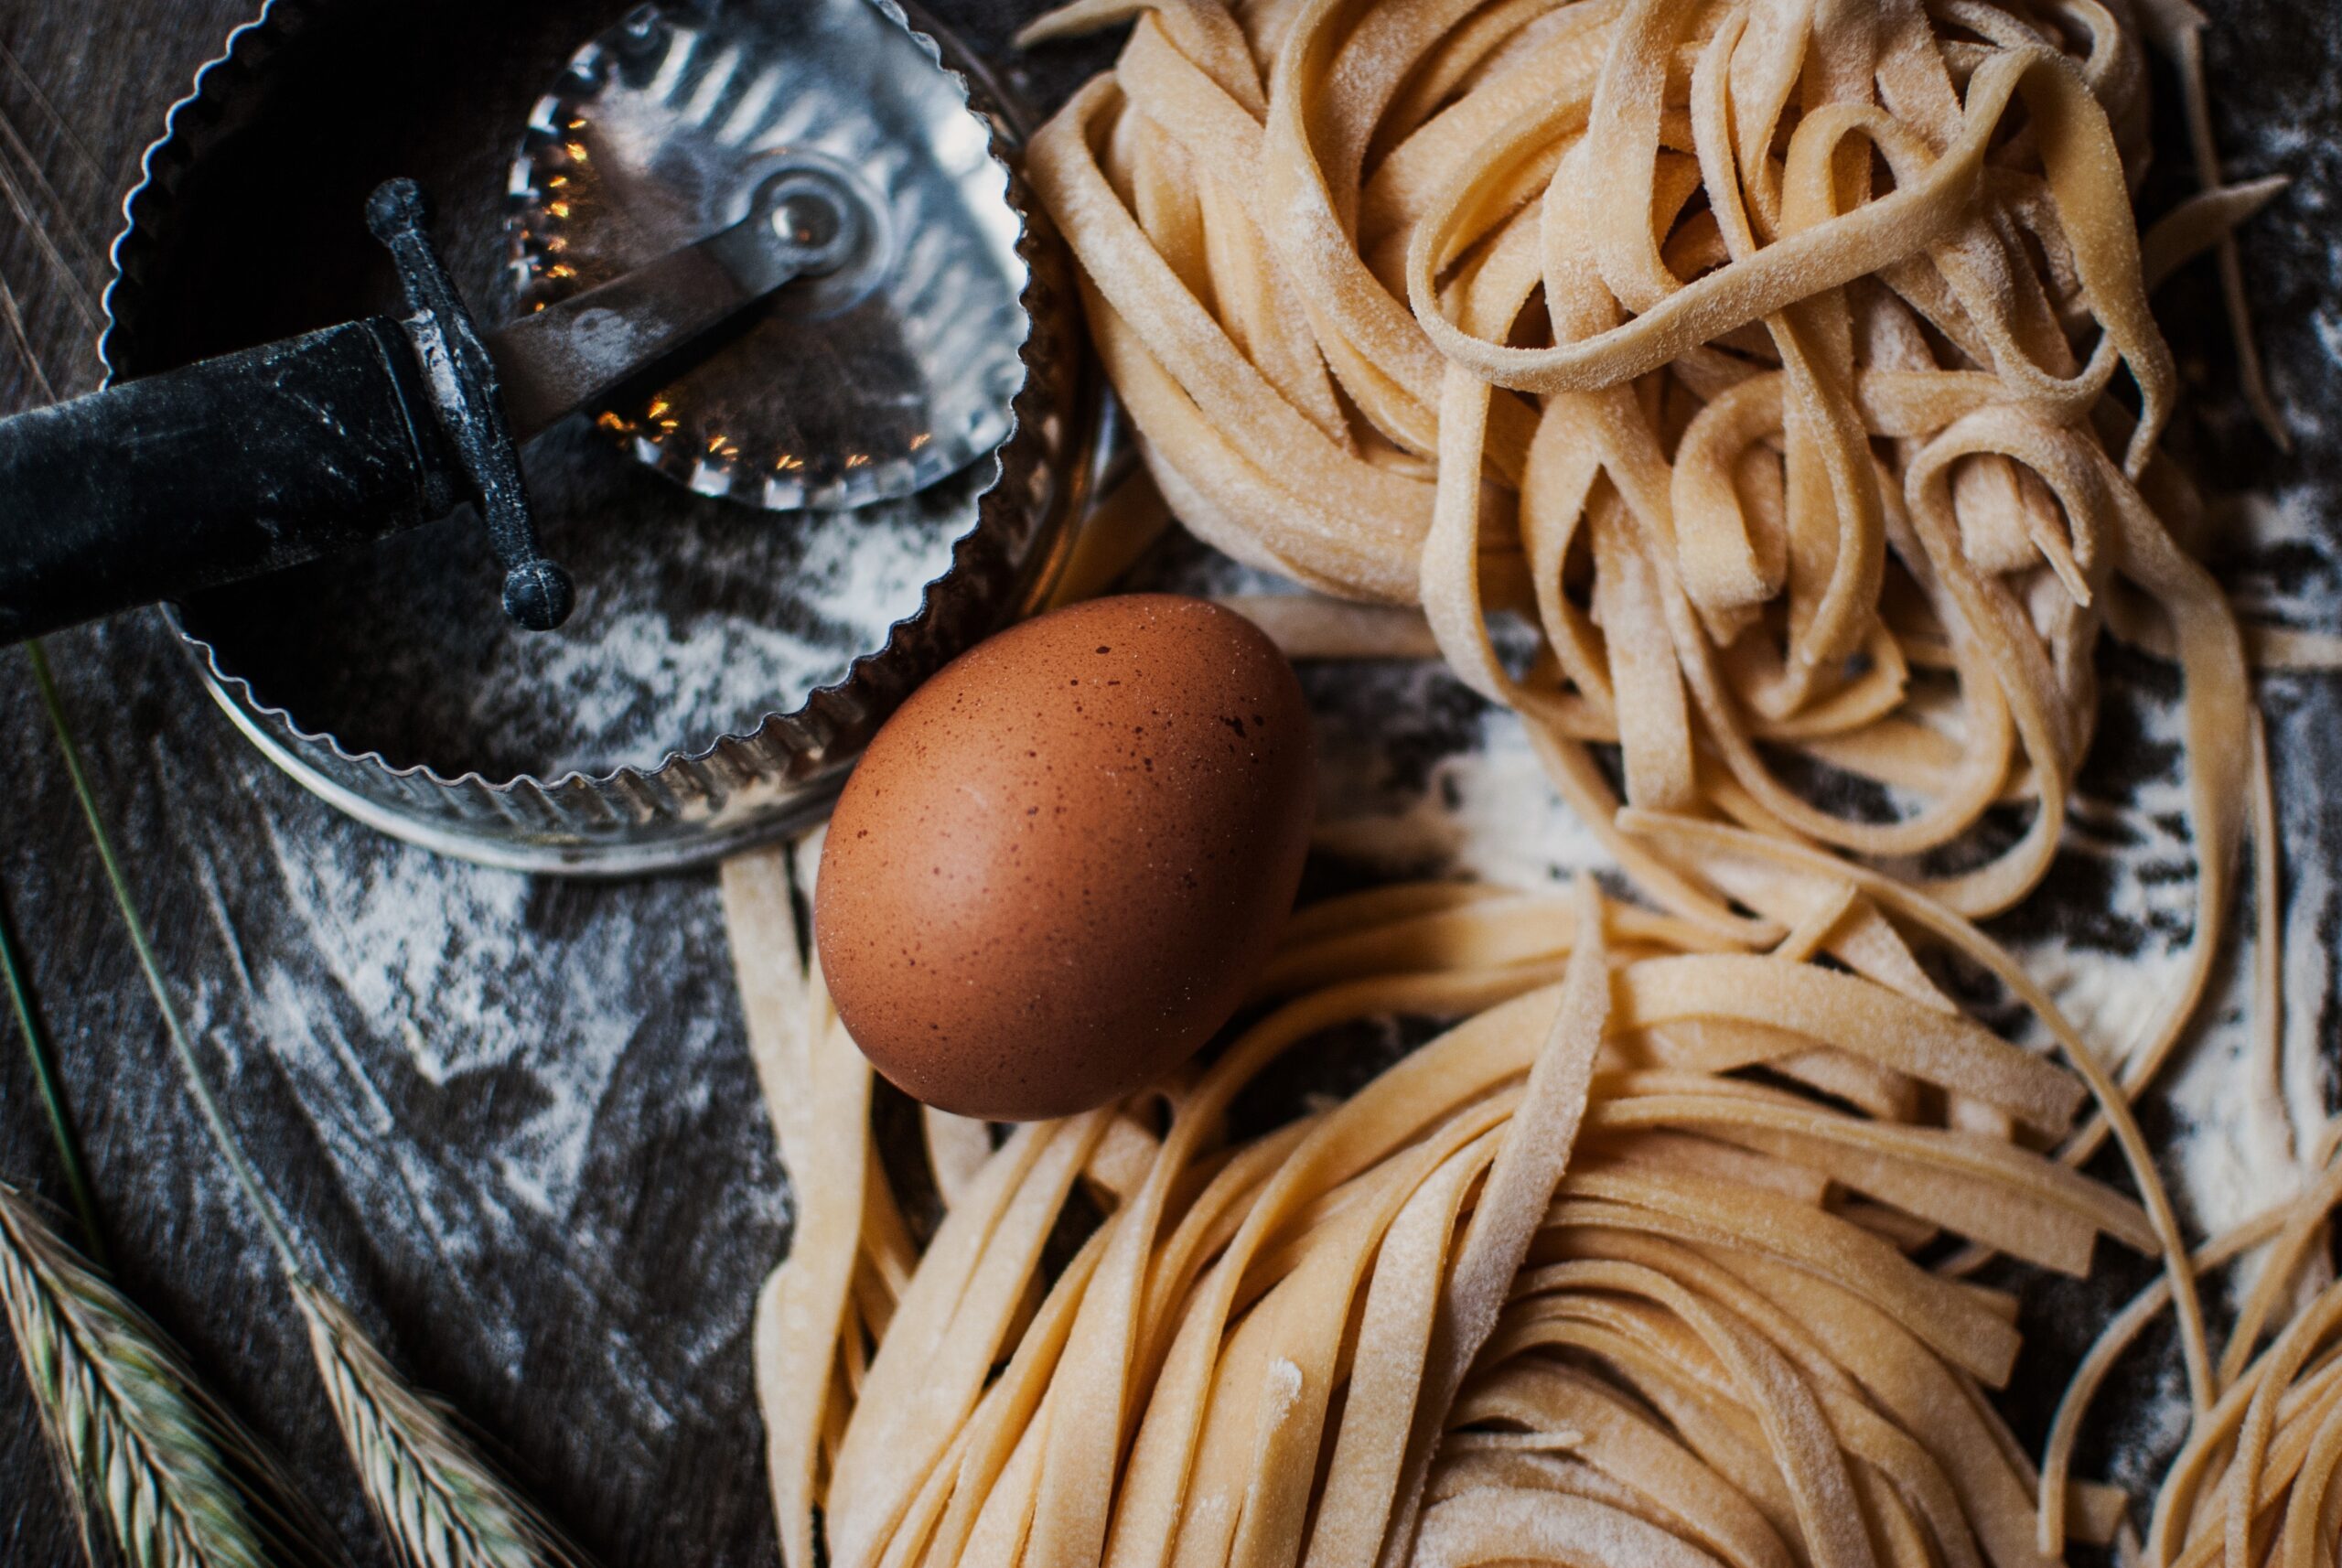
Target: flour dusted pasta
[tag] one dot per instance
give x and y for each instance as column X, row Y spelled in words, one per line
column 1759, row 354
column 1787, row 366
column 1621, row 1263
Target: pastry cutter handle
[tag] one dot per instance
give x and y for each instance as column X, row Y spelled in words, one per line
column 260, row 460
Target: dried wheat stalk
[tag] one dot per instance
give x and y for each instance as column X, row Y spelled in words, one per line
column 174, row 1479
column 438, row 1501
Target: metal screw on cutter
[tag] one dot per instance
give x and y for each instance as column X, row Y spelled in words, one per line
column 805, row 218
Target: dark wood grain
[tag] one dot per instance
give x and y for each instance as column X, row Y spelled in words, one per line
column 573, row 1265
column 513, row 1118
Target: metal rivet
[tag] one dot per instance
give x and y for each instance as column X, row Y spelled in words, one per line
column 806, row 219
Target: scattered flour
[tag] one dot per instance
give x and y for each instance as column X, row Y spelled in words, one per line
column 1483, row 808
column 1487, row 812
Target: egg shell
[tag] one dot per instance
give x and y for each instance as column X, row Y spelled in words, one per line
column 1061, row 864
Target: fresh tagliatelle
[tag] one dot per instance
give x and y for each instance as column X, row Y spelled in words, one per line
column 1762, row 359
column 1619, row 1270
column 1760, row 356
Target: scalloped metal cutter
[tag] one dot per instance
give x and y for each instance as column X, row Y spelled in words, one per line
column 773, row 251
column 347, row 434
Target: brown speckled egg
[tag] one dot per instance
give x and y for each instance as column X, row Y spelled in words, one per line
column 1061, row 864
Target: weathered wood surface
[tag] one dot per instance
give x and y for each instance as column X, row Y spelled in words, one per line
column 517, row 1116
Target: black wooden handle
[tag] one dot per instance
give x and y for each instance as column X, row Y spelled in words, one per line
column 223, row 470
column 261, row 460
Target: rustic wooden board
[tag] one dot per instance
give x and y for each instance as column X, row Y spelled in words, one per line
column 516, row 1116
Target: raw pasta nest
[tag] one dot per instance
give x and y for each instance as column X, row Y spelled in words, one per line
column 1619, row 1270
column 1757, row 354
column 1756, row 357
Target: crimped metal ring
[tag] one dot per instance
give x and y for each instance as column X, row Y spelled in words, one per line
column 704, row 798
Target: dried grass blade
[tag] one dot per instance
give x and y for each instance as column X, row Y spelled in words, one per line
column 52, row 1094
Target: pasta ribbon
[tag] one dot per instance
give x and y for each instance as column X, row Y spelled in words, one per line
column 1609, row 1271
